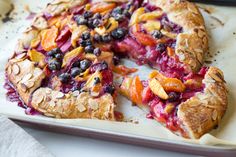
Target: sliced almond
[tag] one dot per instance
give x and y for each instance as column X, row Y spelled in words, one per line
column 214, row 115
column 76, row 93
column 81, row 108
column 23, row 87
column 39, row 98
column 215, row 77
column 29, row 84
column 15, row 69
column 157, row 89
column 60, row 95
column 26, row 78
column 93, row 104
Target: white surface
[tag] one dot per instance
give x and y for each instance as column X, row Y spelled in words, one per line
column 63, row 145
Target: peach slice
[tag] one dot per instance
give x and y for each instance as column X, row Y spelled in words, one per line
column 136, row 90
column 135, row 17
column 145, row 39
column 151, row 25
column 35, row 56
column 102, row 7
column 48, row 38
column 125, row 86
column 71, row 55
column 173, row 85
column 150, row 16
column 157, row 89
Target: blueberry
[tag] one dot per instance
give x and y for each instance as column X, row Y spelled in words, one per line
column 157, row 34
column 109, row 89
column 81, row 20
column 173, row 96
column 85, row 64
column 64, row 77
column 97, row 80
column 53, row 52
column 97, row 38
column 75, row 71
column 84, row 43
column 118, row 33
column 59, row 56
column 97, row 52
column 54, row 65
column 116, row 60
column 96, row 22
column 117, row 10
column 117, row 13
column 126, row 13
column 97, row 16
column 76, row 64
column 90, row 24
column 106, row 38
column 104, row 65
column 89, row 49
column 161, row 47
column 86, row 35
column 88, row 14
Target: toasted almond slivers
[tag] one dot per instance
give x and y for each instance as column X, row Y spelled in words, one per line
column 157, row 89
column 15, row 69
column 81, row 108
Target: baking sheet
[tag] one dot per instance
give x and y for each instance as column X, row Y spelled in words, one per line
column 221, row 26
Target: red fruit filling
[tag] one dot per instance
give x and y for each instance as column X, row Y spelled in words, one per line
column 165, row 111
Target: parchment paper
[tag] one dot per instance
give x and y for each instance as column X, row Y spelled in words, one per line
column 221, row 25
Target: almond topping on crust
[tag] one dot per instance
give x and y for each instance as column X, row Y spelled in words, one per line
column 216, row 77
column 214, row 115
column 157, row 89
column 81, row 108
column 23, row 87
column 26, row 78
column 29, row 84
column 76, row 93
column 93, row 104
column 60, row 95
column 15, row 69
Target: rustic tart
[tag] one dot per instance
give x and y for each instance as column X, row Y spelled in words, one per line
column 63, row 66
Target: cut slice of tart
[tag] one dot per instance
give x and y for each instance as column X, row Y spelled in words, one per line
column 189, row 107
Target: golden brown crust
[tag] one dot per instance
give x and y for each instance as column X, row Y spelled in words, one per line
column 192, row 43
column 204, row 111
column 23, row 74
column 72, row 105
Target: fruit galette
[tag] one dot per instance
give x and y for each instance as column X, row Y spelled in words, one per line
column 64, row 64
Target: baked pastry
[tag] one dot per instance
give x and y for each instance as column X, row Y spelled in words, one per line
column 63, row 65
column 190, row 106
